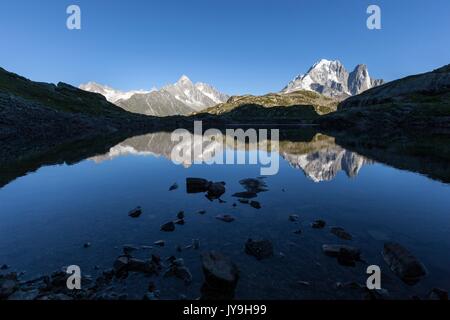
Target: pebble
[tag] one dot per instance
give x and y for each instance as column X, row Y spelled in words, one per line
column 318, row 224
column 225, row 218
column 135, row 213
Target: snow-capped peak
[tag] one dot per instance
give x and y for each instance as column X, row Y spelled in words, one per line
column 184, row 79
column 329, row 77
column 109, row 93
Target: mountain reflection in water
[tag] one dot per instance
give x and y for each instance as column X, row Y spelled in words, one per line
column 320, row 159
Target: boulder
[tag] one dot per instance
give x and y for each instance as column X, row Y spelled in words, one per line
column 221, row 276
column 215, row 190
column 196, row 185
column 121, row 264
column 346, row 255
column 403, row 263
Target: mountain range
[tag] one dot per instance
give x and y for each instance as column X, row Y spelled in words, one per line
column 328, row 78
column 331, row 79
column 181, row 98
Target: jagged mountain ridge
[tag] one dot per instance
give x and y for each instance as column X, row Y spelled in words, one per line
column 331, row 79
column 181, row 98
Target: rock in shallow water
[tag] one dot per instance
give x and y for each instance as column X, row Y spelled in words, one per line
column 438, row 294
column 341, row 233
column 168, row 227
column 173, row 187
column 215, row 190
column 225, row 218
column 135, row 213
column 318, row 224
column 8, row 285
column 255, row 204
column 260, row 249
column 196, row 185
column 346, row 255
column 221, row 276
column 403, row 263
column 179, row 270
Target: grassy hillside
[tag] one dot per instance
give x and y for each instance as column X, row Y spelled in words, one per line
column 61, row 97
column 300, row 104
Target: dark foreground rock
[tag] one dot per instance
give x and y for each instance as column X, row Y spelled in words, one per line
column 438, row 294
column 173, row 187
column 221, row 277
column 225, row 218
column 8, row 285
column 346, row 255
column 135, row 213
column 341, row 233
column 255, row 205
column 214, row 190
column 318, row 224
column 168, row 227
column 196, row 185
column 260, row 249
column 403, row 263
column 179, row 270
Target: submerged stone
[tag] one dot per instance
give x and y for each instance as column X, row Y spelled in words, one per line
column 215, row 190
column 225, row 218
column 341, row 233
column 221, row 276
column 403, row 263
column 135, row 213
column 179, row 270
column 168, row 227
column 255, row 204
column 438, row 294
column 180, row 215
column 318, row 224
column 346, row 255
column 260, row 249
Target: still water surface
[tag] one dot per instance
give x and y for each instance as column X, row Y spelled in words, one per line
column 48, row 215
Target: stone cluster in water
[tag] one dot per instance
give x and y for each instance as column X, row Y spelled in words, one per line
column 221, row 274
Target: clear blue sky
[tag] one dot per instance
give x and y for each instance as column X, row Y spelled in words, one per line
column 239, row 46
